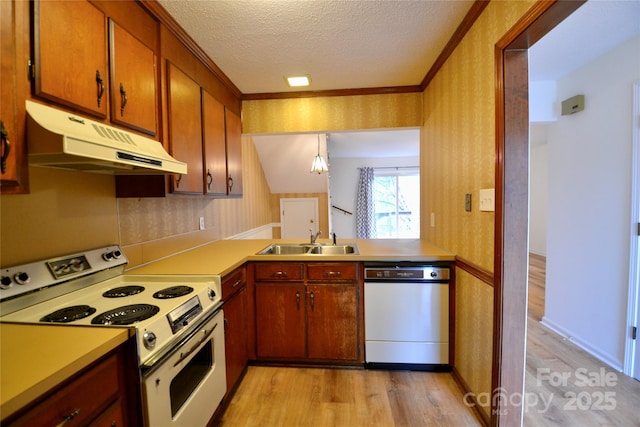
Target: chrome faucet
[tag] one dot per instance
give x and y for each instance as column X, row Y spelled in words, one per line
column 314, row 237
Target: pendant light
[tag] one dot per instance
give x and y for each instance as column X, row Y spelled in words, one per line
column 319, row 166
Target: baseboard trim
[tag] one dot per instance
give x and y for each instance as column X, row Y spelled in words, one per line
column 580, row 343
column 470, row 397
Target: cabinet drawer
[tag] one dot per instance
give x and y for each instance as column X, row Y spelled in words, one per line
column 333, row 271
column 79, row 401
column 233, row 282
column 279, row 271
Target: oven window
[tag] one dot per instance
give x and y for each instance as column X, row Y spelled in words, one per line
column 190, row 376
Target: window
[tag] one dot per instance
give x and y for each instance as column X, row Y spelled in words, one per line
column 396, row 203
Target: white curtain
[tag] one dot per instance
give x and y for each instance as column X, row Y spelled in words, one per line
column 365, row 224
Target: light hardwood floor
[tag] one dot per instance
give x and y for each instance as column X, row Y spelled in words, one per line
column 297, row 397
column 565, row 385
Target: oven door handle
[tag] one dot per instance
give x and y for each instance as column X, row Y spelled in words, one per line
column 207, row 334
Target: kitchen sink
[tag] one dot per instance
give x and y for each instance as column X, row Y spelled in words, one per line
column 334, row 250
column 311, row 249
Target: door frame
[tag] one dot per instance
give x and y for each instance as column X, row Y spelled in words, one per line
column 512, row 205
column 632, row 346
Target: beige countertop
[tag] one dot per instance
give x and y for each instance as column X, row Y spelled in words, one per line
column 223, row 256
column 36, row 358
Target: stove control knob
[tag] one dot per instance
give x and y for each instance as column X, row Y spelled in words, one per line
column 110, row 256
column 22, row 278
column 149, row 339
column 212, row 294
column 6, row 282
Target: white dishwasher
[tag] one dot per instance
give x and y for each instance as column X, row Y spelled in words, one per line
column 406, row 309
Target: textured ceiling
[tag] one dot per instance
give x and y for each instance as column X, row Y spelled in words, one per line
column 350, row 44
column 341, row 44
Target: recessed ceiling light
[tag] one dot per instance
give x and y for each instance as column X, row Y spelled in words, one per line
column 298, row 81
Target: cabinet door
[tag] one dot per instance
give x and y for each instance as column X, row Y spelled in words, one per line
column 13, row 172
column 71, row 55
column 213, row 134
column 280, row 331
column 233, row 127
column 332, row 329
column 235, row 336
column 133, row 81
column 185, row 130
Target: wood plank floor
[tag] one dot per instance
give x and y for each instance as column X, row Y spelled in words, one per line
column 298, row 397
column 565, row 385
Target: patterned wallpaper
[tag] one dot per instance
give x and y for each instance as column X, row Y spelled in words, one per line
column 155, row 227
column 458, row 157
column 332, row 113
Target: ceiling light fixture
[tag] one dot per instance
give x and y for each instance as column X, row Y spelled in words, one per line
column 298, row 81
column 319, row 166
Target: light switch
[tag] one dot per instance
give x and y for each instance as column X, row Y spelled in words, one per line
column 488, row 200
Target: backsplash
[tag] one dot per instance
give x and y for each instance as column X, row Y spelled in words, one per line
column 71, row 211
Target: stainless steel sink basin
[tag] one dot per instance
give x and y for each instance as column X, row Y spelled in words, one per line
column 335, row 250
column 285, row 250
column 303, row 249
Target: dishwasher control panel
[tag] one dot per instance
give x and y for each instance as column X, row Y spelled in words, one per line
column 407, row 273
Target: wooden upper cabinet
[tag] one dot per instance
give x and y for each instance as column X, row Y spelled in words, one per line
column 233, row 129
column 185, row 129
column 133, row 81
column 213, row 135
column 13, row 154
column 70, row 63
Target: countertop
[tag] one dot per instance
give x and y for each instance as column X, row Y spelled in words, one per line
column 223, row 256
column 36, row 358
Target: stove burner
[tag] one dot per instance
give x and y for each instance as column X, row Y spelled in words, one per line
column 69, row 314
column 126, row 315
column 123, row 291
column 173, row 292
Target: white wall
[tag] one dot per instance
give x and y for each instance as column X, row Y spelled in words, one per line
column 538, row 187
column 589, row 161
column 343, row 185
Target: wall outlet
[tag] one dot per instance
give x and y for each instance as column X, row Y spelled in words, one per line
column 488, row 200
column 201, row 223
column 433, row 219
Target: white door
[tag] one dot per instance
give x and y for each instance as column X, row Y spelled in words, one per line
column 298, row 217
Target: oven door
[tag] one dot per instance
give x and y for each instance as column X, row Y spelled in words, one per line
column 185, row 387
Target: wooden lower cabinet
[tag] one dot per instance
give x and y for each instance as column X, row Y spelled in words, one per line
column 106, row 394
column 280, row 313
column 315, row 317
column 235, row 337
column 332, row 319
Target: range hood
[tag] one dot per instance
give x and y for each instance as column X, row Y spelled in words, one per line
column 62, row 140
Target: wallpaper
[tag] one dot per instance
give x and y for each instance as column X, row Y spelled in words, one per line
column 458, row 157
column 332, row 113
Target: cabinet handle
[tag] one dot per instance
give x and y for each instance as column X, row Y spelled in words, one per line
column 237, row 283
column 298, row 300
column 69, row 417
column 279, row 274
column 123, row 99
column 230, row 183
column 100, row 83
column 209, row 180
column 312, row 297
column 332, row 273
column 5, row 147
